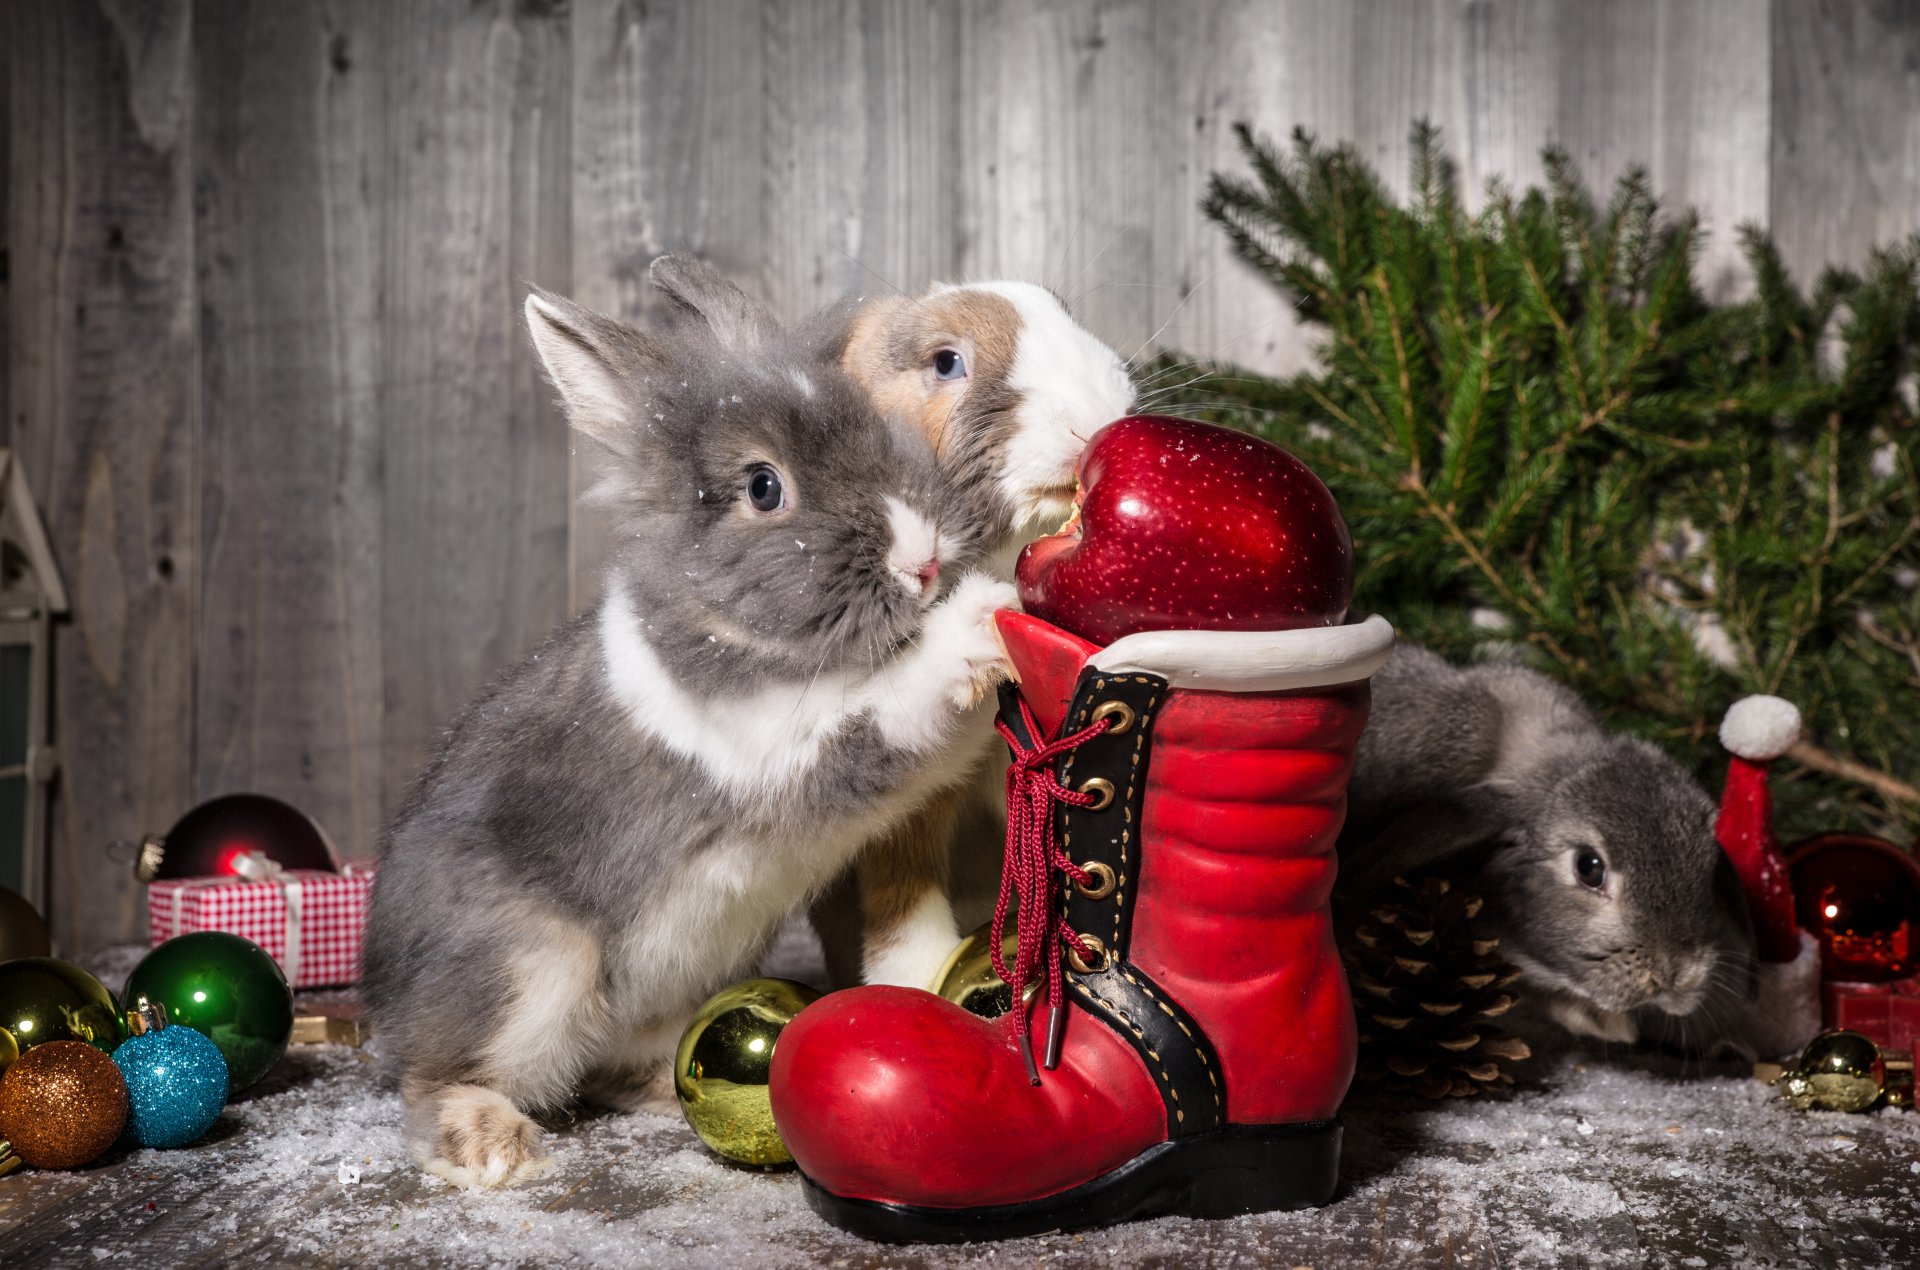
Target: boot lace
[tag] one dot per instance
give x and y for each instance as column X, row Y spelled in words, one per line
column 1033, row 859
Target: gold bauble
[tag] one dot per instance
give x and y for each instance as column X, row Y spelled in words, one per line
column 968, row 978
column 720, row 1069
column 1838, row 1071
column 62, row 1105
column 44, row 1000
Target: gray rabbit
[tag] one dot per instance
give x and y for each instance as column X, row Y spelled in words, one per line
column 615, row 828
column 1595, row 852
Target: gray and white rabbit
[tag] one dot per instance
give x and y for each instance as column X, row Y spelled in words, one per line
column 1595, row 852
column 615, row 828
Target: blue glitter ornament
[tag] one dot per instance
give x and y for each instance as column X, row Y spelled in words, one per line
column 176, row 1079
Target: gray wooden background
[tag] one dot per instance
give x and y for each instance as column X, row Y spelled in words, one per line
column 263, row 266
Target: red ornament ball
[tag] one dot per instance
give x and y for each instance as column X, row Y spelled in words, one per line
column 1860, row 897
column 62, row 1105
column 210, row 840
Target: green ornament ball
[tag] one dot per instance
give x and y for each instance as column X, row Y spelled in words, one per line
column 226, row 988
column 43, row 1000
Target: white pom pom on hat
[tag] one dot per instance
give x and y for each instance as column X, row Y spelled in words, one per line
column 1759, row 728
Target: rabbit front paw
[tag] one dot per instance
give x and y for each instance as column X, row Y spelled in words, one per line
column 484, row 1141
column 962, row 642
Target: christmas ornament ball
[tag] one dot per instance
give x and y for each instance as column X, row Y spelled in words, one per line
column 1860, row 897
column 23, row 933
column 1838, row 1071
column 176, row 1079
column 229, row 990
column 62, row 1105
column 720, row 1069
column 210, row 839
column 44, row 1000
column 968, row 978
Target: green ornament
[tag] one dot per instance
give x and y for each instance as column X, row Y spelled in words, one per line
column 44, row 1000
column 226, row 988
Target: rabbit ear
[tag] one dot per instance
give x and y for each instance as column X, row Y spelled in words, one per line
column 590, row 357
column 696, row 287
column 1421, row 837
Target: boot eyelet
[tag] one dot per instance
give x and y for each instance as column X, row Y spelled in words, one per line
column 1102, row 791
column 1103, row 881
column 1119, row 711
column 1079, row 963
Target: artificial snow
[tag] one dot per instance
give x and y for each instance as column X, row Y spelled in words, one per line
column 1602, row 1158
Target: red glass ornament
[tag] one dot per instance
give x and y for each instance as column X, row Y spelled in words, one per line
column 1181, row 525
column 1860, row 897
column 210, row 840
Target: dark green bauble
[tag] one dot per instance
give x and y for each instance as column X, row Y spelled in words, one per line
column 44, row 1000
column 226, row 988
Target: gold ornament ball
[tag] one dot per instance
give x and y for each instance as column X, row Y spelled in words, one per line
column 44, row 1000
column 62, row 1105
column 22, row 931
column 968, row 978
column 720, row 1069
column 1838, row 1071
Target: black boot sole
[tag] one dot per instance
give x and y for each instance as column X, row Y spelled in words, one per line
column 1238, row 1169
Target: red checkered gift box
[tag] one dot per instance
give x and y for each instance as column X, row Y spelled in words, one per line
column 312, row 922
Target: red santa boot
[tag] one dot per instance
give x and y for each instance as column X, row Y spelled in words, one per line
column 1184, row 1035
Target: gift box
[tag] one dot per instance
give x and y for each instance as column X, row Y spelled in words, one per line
column 1889, row 1012
column 312, row 922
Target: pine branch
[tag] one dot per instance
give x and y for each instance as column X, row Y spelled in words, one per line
column 1532, row 412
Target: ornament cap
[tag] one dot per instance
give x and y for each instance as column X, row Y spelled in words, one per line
column 8, row 1160
column 146, row 1016
column 153, row 854
column 1760, row 728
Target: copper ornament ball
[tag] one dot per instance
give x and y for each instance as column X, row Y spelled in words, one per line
column 62, row 1105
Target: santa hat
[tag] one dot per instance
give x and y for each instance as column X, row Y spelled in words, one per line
column 1756, row 731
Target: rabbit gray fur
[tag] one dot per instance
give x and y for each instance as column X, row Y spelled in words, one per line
column 616, row 826
column 1498, row 771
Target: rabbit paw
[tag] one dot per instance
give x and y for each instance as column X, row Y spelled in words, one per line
column 485, row 1141
column 962, row 642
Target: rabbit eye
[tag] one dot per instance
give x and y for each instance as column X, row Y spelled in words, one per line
column 949, row 364
column 765, row 490
column 1591, row 869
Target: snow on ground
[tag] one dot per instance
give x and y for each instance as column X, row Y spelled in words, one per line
column 1603, row 1159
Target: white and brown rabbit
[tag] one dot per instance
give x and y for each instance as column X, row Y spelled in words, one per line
column 1008, row 389
column 615, row 828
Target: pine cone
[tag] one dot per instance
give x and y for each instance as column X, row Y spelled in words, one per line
column 1428, row 984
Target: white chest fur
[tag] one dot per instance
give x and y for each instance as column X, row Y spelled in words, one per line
column 753, row 746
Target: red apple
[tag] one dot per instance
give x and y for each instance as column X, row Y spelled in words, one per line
column 1181, row 525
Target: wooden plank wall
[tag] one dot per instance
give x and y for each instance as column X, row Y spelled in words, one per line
column 263, row 264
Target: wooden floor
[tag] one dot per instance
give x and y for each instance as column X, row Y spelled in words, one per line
column 1601, row 1160
column 1603, row 1164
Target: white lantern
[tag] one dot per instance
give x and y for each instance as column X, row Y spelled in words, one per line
column 31, row 596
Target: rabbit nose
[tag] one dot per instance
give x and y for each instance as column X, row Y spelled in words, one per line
column 914, row 555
